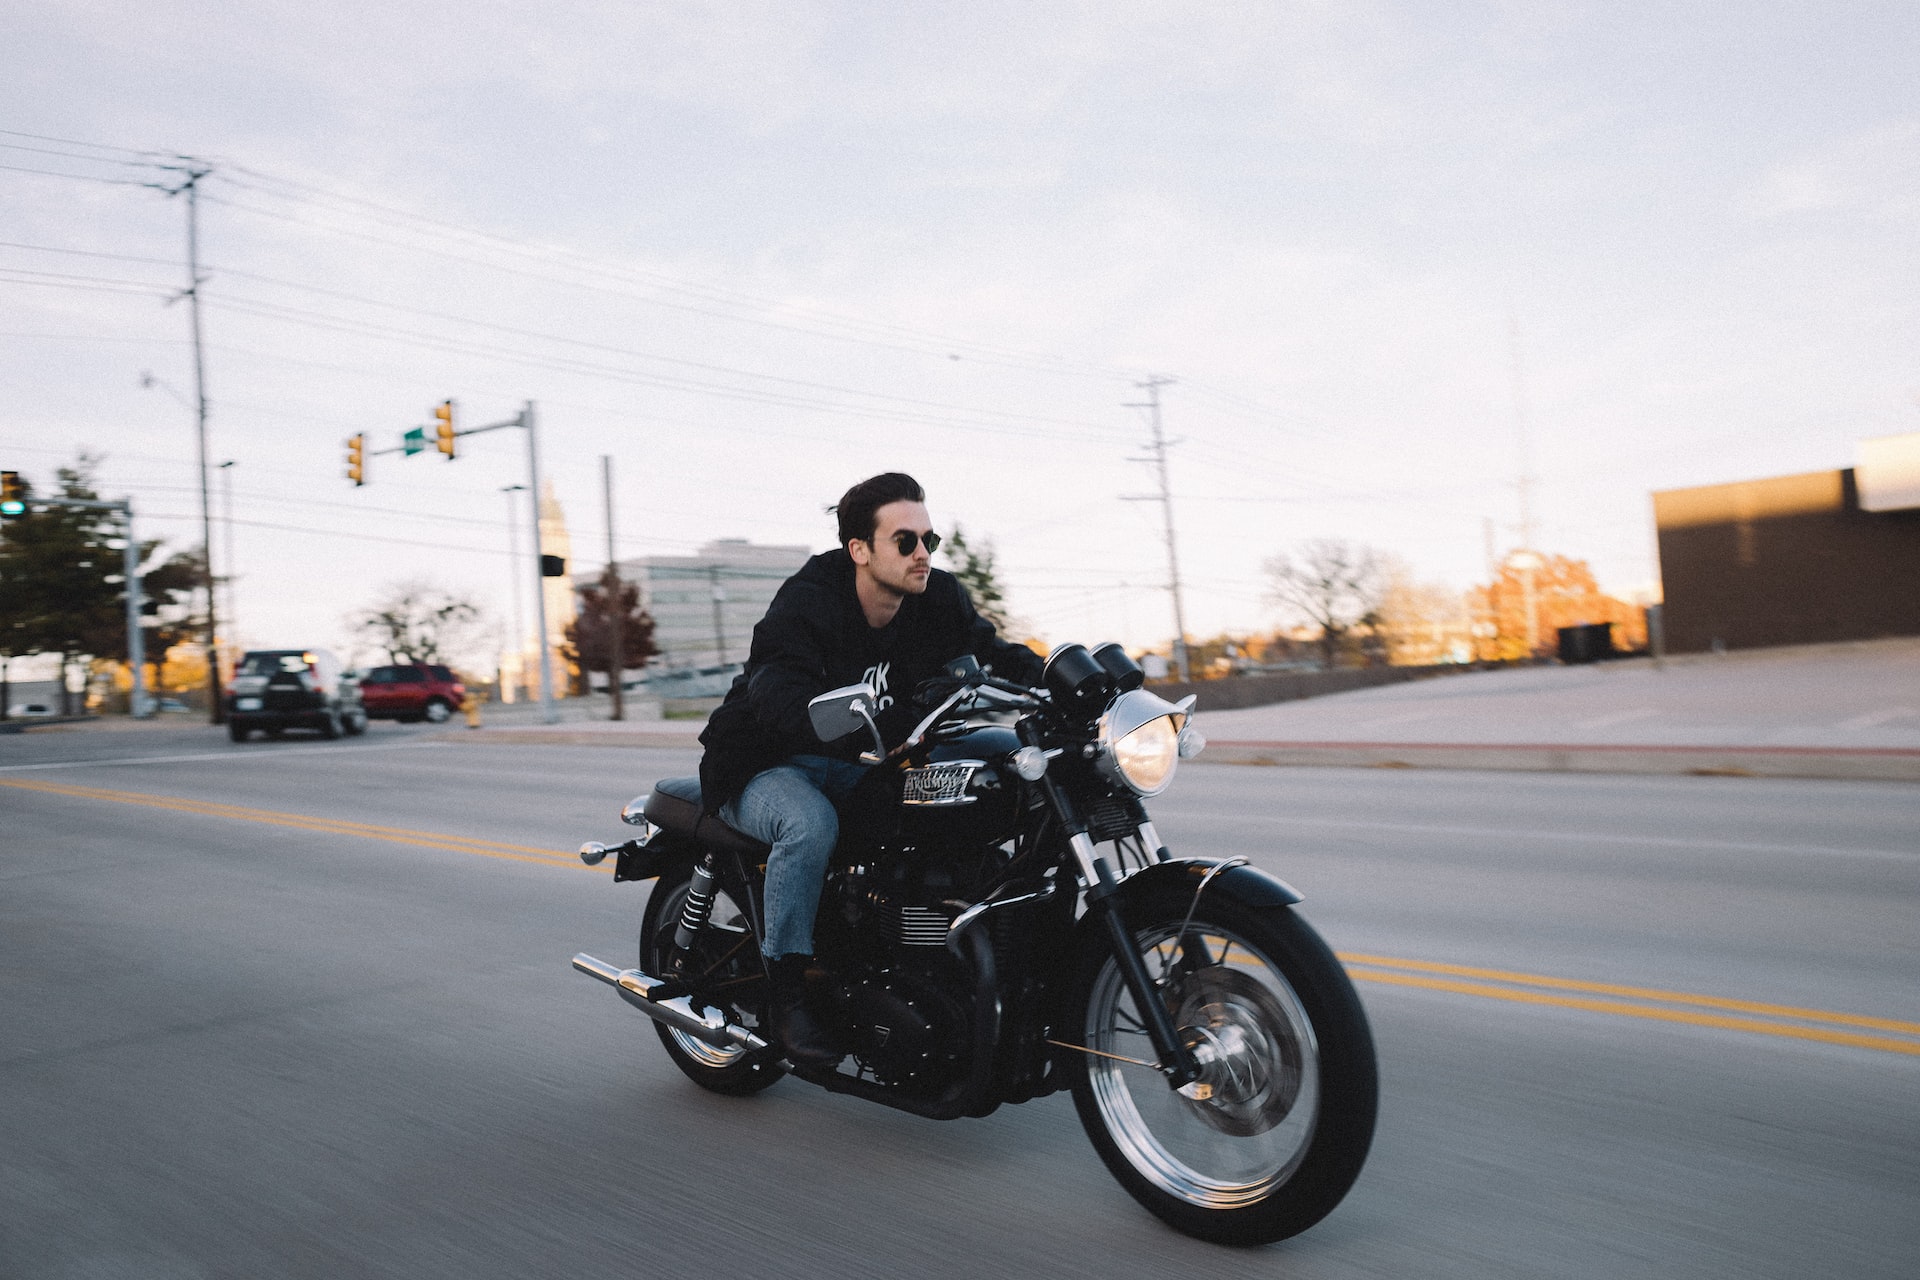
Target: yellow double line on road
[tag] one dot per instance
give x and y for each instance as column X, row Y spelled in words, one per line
column 1854, row 1030
column 303, row 822
column 1639, row 1002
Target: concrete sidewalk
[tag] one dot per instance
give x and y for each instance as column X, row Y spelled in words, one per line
column 1824, row 711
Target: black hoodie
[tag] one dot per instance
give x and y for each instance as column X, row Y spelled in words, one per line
column 815, row 637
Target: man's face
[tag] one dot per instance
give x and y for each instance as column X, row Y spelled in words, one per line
column 901, row 572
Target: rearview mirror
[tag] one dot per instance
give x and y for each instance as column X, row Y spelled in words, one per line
column 839, row 712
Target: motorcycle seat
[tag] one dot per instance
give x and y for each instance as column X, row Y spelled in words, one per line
column 674, row 805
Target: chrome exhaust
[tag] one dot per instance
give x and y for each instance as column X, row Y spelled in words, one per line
column 636, row 989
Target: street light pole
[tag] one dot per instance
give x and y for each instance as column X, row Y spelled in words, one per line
column 616, row 602
column 547, row 713
column 513, row 575
column 233, row 587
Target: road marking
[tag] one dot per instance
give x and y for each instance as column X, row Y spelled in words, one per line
column 235, row 756
column 306, row 822
column 1525, row 988
column 1618, row 717
column 1874, row 719
column 1638, row 1002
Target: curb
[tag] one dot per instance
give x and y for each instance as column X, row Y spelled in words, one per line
column 1877, row 764
column 566, row 738
column 1874, row 764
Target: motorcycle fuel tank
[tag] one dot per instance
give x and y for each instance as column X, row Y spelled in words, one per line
column 960, row 792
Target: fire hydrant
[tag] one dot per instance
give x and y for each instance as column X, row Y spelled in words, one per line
column 472, row 707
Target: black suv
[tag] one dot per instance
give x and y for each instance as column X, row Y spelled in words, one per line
column 279, row 689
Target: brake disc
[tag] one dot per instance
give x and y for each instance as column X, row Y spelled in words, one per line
column 1247, row 1049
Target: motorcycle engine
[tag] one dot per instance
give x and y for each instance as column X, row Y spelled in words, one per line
column 907, row 1030
column 908, row 1014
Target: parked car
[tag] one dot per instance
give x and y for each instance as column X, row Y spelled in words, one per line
column 420, row 691
column 280, row 689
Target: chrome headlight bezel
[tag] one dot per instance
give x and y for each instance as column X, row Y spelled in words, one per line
column 1138, row 746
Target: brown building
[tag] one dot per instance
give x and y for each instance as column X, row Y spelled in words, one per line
column 1790, row 560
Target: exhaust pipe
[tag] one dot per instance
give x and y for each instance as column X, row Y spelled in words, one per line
column 636, row 989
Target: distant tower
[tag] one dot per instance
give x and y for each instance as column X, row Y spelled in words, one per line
column 555, row 541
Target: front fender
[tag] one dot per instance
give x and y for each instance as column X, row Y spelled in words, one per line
column 1179, row 877
column 1244, row 884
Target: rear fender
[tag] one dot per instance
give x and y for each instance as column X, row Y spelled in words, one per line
column 653, row 858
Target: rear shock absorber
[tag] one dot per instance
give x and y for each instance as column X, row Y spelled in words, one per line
column 699, row 906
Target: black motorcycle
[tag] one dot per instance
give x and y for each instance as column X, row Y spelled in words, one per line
column 1001, row 921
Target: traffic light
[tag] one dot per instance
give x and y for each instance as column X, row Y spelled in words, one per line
column 13, row 494
column 357, row 459
column 444, row 432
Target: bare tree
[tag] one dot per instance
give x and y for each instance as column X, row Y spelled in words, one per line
column 1335, row 586
column 417, row 622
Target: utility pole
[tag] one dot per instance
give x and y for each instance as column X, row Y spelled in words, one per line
column 719, row 600
column 617, row 663
column 1158, row 457
column 190, row 184
column 1529, row 561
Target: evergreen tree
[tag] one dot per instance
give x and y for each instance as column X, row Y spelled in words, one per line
column 974, row 567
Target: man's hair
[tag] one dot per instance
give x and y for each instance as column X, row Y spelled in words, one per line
column 859, row 507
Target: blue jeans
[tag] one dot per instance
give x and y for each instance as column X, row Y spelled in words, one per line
column 792, row 807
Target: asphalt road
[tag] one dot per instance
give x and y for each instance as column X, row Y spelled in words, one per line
column 305, row 1009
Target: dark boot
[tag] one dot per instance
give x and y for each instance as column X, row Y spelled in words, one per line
column 806, row 1042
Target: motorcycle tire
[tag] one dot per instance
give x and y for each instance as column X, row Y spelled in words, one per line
column 1275, row 1132
column 727, row 948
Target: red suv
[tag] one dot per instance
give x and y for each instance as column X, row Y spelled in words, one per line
column 425, row 692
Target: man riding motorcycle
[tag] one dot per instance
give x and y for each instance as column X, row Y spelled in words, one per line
column 875, row 611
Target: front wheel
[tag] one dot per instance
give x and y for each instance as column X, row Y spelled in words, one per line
column 725, row 962
column 1274, row 1132
column 437, row 712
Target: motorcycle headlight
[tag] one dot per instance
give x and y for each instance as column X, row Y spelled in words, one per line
column 1139, row 742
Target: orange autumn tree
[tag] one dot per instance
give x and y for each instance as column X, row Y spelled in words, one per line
column 1565, row 595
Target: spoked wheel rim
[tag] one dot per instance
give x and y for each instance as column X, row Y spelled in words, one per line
column 1244, row 1128
column 726, row 933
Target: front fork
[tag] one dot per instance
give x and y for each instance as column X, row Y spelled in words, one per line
column 1102, row 890
column 1176, row 1059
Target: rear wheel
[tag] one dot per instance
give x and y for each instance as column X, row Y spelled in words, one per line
column 1274, row 1133
column 726, row 957
column 237, row 731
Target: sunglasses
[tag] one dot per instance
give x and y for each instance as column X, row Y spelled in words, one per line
column 903, row 541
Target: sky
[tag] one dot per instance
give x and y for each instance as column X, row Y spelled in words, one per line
column 1391, row 258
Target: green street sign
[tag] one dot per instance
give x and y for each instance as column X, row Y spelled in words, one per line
column 415, row 441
